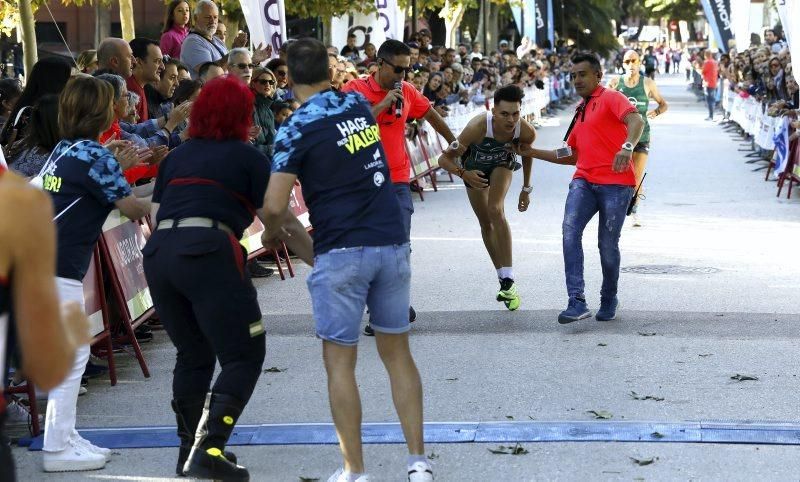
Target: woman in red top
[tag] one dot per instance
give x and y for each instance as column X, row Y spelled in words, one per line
column 176, row 28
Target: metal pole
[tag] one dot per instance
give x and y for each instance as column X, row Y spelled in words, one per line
column 485, row 21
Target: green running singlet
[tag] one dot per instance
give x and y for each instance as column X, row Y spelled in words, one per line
column 491, row 153
column 638, row 98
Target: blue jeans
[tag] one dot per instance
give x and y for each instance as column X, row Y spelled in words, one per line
column 711, row 100
column 403, row 192
column 345, row 280
column 583, row 202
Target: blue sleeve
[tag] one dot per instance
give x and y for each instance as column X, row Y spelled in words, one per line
column 288, row 151
column 143, row 129
column 140, row 135
column 105, row 181
column 194, row 53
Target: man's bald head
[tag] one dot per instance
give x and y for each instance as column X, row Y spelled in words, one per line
column 631, row 54
column 115, row 55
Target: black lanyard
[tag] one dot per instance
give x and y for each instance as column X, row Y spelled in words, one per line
column 580, row 111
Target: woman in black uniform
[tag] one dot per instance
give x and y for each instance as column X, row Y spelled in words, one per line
column 208, row 191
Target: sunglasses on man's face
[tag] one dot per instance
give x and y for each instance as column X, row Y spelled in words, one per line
column 630, row 61
column 397, row 70
column 266, row 81
column 245, row 66
column 281, row 73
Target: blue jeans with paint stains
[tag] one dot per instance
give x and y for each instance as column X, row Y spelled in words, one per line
column 583, row 202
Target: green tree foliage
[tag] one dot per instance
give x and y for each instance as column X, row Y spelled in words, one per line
column 593, row 15
column 672, row 9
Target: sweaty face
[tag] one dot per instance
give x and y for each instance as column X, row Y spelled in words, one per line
column 506, row 115
column 584, row 78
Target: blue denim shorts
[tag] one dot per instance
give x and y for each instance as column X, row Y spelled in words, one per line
column 346, row 280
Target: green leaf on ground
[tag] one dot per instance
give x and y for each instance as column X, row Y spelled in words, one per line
column 648, row 333
column 309, row 479
column 601, row 414
column 643, row 462
column 657, row 435
column 433, row 456
column 636, row 396
column 741, row 378
column 517, row 449
column 274, row 370
column 602, row 344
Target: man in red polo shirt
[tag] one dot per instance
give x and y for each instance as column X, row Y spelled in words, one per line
column 393, row 103
column 601, row 138
column 710, row 79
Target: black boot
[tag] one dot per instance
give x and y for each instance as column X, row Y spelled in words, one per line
column 187, row 416
column 207, row 458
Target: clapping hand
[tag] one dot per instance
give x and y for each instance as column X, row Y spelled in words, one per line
column 262, row 53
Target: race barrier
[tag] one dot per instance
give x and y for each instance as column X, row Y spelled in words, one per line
column 768, row 136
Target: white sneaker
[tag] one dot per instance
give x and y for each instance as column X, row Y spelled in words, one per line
column 18, row 415
column 74, row 458
column 339, row 476
column 420, row 472
column 76, row 437
column 637, row 223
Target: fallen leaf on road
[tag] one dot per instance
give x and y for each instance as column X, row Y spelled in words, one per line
column 274, row 370
column 741, row 378
column 309, row 479
column 644, row 462
column 657, row 435
column 433, row 456
column 515, row 450
column 601, row 414
column 601, row 344
column 636, row 396
column 450, row 379
column 642, row 333
column 705, row 354
column 510, row 417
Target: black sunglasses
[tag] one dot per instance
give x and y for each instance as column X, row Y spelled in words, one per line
column 397, row 70
column 245, row 66
column 265, row 81
column 630, row 61
column 280, row 73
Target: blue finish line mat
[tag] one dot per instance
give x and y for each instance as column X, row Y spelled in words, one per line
column 735, row 432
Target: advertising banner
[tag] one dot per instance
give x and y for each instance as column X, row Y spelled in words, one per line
column 266, row 20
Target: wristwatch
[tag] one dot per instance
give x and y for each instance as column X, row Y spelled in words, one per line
column 528, row 189
column 454, row 146
column 628, row 146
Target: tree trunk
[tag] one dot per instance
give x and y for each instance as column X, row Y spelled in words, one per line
column 102, row 23
column 479, row 30
column 126, row 19
column 492, row 29
column 28, row 29
column 452, row 13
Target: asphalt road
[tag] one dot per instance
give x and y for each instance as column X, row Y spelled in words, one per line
column 730, row 306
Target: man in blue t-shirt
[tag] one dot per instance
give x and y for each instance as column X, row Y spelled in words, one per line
column 332, row 145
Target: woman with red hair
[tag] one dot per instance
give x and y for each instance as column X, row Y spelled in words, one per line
column 207, row 192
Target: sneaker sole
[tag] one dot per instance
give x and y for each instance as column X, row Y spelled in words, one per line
column 513, row 305
column 565, row 320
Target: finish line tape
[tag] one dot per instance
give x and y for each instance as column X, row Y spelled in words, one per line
column 733, row 432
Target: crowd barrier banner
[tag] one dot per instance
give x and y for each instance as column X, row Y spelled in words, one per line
column 298, row 206
column 124, row 241
column 251, row 239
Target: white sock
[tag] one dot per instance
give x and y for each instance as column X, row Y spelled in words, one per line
column 505, row 272
column 413, row 459
column 499, row 273
column 351, row 476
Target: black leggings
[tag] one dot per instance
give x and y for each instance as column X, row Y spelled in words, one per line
column 209, row 308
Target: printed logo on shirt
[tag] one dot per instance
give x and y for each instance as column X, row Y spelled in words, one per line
column 51, row 183
column 357, row 134
column 378, row 178
column 634, row 102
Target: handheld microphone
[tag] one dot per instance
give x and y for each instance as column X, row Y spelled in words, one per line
column 398, row 104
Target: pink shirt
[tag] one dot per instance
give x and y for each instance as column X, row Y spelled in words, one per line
column 172, row 40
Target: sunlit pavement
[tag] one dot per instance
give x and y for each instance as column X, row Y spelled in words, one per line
column 727, row 305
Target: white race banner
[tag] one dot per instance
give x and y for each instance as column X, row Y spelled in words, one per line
column 740, row 18
column 781, row 140
column 266, row 20
column 368, row 28
column 393, row 19
column 789, row 12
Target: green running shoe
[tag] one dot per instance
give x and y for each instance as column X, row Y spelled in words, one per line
column 508, row 294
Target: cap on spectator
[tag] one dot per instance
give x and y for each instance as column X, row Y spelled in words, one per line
column 474, row 56
column 504, row 42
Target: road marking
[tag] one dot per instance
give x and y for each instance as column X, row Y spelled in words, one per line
column 729, row 431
